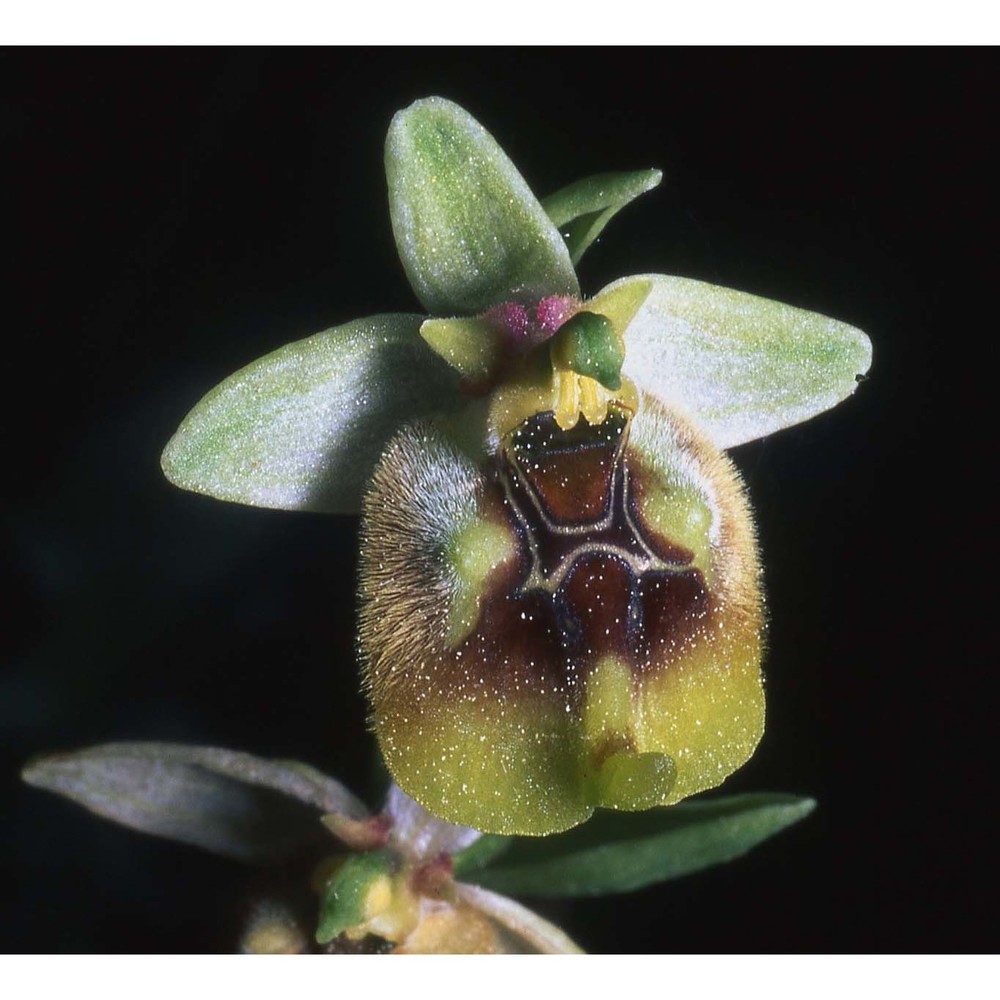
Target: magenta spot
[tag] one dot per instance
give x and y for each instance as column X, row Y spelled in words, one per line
column 552, row 312
column 512, row 318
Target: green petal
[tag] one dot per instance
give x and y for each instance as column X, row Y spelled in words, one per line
column 618, row 852
column 743, row 366
column 302, row 427
column 226, row 802
column 582, row 210
column 469, row 231
column 471, row 345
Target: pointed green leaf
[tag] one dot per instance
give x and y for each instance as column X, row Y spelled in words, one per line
column 226, row 802
column 742, row 366
column 302, row 427
column 480, row 854
column 468, row 229
column 616, row 852
column 582, row 209
column 345, row 896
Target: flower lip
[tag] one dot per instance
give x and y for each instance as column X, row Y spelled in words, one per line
column 540, row 638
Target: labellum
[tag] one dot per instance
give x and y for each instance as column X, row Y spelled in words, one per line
column 571, row 620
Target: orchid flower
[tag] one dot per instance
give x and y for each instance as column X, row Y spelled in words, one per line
column 560, row 586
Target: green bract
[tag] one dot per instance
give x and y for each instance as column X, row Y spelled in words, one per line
column 560, row 601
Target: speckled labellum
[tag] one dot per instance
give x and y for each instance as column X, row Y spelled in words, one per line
column 573, row 622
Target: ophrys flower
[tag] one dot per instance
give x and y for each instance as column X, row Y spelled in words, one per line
column 560, row 600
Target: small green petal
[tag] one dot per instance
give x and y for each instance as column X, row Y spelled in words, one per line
column 618, row 853
column 743, row 366
column 470, row 345
column 469, row 231
column 582, row 209
column 302, row 427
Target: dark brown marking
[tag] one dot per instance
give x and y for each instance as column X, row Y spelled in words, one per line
column 581, row 589
column 554, row 545
column 569, row 471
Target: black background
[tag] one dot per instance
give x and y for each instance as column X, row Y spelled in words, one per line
column 173, row 214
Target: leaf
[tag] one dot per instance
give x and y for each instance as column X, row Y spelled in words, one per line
column 581, row 210
column 229, row 803
column 345, row 896
column 617, row 852
column 742, row 366
column 302, row 427
column 468, row 229
column 480, row 854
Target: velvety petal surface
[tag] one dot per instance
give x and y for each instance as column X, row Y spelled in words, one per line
column 577, row 625
column 302, row 427
column 741, row 365
column 469, row 231
column 581, row 210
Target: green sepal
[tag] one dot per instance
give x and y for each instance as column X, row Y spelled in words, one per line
column 344, row 898
column 302, row 427
column 742, row 366
column 588, row 344
column 618, row 852
column 581, row 210
column 468, row 229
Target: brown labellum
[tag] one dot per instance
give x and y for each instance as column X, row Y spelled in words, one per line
column 575, row 622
